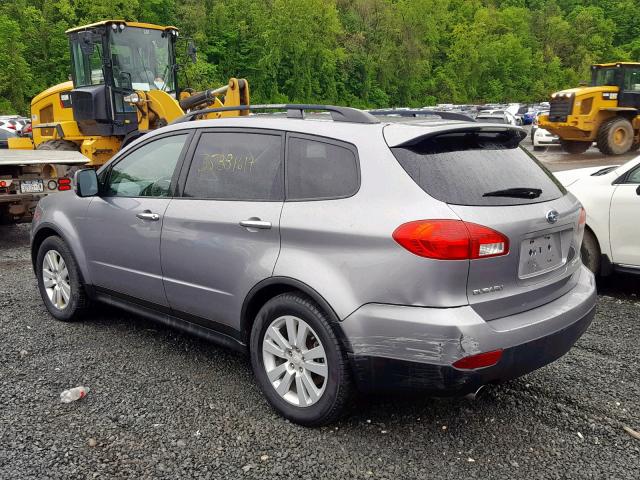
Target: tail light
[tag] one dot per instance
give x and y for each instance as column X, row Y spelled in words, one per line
column 11, row 126
column 64, row 184
column 583, row 218
column 481, row 360
column 451, row 240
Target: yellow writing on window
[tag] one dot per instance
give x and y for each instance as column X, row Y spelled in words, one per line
column 220, row 162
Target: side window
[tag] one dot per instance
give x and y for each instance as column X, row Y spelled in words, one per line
column 320, row 170
column 632, row 79
column 147, row 171
column 634, row 177
column 236, row 166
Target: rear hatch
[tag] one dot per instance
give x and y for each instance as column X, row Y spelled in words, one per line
column 487, row 179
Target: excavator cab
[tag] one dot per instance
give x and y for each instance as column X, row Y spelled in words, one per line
column 112, row 59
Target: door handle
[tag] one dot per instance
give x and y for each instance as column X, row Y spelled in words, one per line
column 255, row 223
column 147, row 215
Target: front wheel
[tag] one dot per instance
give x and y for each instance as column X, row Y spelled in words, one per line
column 571, row 146
column 298, row 361
column 59, row 281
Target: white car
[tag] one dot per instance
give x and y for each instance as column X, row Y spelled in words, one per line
column 543, row 138
column 611, row 197
column 497, row 116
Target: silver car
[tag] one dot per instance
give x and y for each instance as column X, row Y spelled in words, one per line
column 343, row 253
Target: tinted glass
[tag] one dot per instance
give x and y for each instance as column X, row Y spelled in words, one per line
column 236, row 166
column 634, row 177
column 461, row 168
column 147, row 171
column 632, row 79
column 317, row 170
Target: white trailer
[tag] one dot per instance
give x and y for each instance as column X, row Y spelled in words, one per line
column 28, row 175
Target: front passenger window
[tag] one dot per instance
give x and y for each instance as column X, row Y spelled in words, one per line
column 148, row 170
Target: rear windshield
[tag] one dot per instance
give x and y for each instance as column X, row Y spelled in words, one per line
column 478, row 168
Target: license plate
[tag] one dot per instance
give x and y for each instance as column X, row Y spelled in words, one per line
column 31, row 186
column 540, row 254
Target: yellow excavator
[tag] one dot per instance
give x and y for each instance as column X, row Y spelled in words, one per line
column 124, row 84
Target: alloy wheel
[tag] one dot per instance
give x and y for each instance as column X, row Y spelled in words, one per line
column 55, row 278
column 295, row 361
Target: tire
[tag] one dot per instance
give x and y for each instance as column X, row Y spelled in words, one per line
column 537, row 148
column 77, row 303
column 64, row 145
column 335, row 389
column 575, row 147
column 615, row 136
column 590, row 252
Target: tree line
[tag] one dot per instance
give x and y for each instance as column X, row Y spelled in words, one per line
column 363, row 53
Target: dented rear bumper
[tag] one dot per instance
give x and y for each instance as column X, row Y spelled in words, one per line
column 397, row 347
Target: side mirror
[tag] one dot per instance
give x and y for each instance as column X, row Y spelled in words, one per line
column 86, row 182
column 192, row 51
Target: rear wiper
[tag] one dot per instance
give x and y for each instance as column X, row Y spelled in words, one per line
column 519, row 192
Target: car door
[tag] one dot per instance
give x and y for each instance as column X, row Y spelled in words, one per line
column 222, row 236
column 624, row 228
column 123, row 224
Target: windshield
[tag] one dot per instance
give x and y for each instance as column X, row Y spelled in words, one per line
column 604, row 77
column 143, row 56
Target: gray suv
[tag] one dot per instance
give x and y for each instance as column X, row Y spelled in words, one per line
column 339, row 252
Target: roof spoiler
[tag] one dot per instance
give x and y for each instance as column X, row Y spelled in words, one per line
column 515, row 133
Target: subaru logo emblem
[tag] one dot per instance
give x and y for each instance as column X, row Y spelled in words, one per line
column 552, row 216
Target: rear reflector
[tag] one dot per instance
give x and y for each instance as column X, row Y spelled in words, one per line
column 481, row 360
column 451, row 240
column 583, row 217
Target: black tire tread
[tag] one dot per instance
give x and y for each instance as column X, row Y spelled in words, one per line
column 82, row 301
column 602, row 139
column 346, row 388
column 64, row 145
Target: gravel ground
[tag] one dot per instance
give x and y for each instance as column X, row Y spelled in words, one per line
column 163, row 404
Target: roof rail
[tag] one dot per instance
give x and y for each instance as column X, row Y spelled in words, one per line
column 294, row 110
column 417, row 113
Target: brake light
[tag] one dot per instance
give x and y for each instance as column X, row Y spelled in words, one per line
column 451, row 240
column 12, row 127
column 64, row 184
column 481, row 360
column 3, row 184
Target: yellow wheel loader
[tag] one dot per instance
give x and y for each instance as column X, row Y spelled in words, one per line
column 607, row 112
column 124, row 83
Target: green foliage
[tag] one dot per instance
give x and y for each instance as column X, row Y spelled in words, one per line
column 363, row 53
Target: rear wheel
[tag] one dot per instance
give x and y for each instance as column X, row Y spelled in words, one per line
column 615, row 136
column 298, row 361
column 590, row 252
column 571, row 146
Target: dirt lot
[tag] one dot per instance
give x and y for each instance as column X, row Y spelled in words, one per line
column 163, row 404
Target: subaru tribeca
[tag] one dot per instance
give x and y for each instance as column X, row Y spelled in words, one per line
column 340, row 253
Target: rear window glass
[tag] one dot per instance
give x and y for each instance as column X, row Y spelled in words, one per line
column 478, row 168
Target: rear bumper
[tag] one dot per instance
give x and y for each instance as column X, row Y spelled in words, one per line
column 398, row 347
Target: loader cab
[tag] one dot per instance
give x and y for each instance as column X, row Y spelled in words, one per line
column 110, row 60
column 625, row 76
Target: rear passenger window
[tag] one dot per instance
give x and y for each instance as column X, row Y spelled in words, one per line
column 236, row 166
column 320, row 170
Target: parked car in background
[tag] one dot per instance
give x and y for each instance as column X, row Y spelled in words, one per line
column 611, row 196
column 444, row 260
column 543, row 138
column 11, row 124
column 534, row 125
column 497, row 116
column 4, row 136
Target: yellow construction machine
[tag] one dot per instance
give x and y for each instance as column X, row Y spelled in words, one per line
column 607, row 112
column 124, row 84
